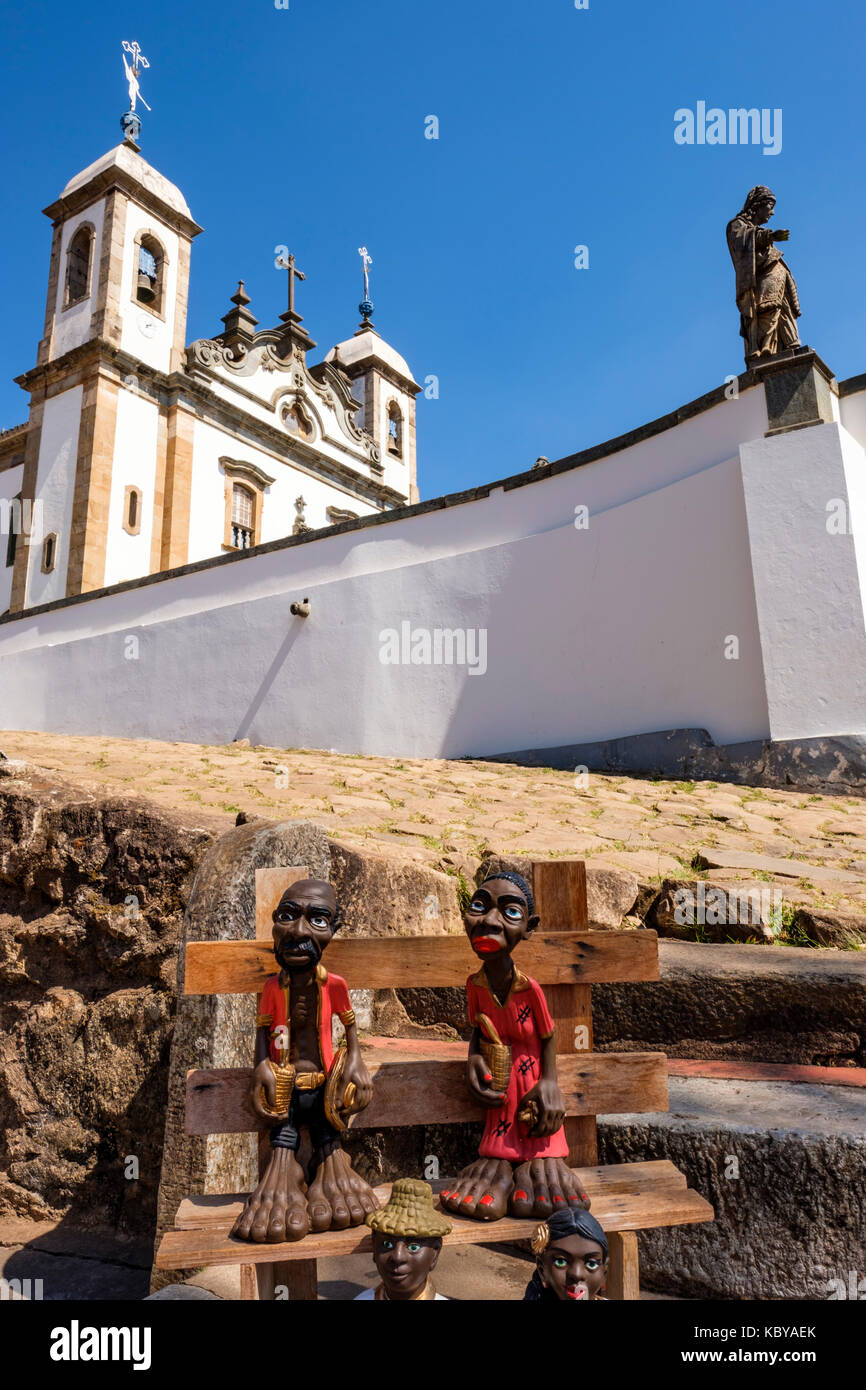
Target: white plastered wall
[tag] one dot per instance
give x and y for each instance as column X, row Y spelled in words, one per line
column 55, row 485
column 128, row 556
column 10, row 486
column 72, row 325
column 207, row 512
column 144, row 334
column 619, row 629
column 852, row 413
column 396, row 469
column 809, row 577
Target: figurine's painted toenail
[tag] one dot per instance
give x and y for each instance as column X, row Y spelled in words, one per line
column 468, row 1198
column 521, row 1196
column 486, row 1200
column 559, row 1199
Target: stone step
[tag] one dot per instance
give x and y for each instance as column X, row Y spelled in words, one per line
column 783, row 1166
column 777, row 1004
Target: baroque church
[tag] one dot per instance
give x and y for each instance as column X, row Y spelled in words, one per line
column 143, row 453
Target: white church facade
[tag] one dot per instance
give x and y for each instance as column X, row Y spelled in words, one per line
column 232, row 545
column 143, row 453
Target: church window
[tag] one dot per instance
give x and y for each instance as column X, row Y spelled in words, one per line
column 78, row 266
column 12, row 541
column 242, row 517
column 245, row 487
column 150, row 273
column 132, row 511
column 49, row 553
column 395, row 430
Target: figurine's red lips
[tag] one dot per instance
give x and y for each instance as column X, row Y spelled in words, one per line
column 576, row 1292
column 486, row 945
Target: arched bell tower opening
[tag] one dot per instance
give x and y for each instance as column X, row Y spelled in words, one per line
column 79, row 265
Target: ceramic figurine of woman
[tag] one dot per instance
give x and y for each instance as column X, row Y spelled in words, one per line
column 571, row 1259
column 523, row 1164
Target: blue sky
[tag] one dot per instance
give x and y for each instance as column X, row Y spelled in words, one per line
column 305, row 127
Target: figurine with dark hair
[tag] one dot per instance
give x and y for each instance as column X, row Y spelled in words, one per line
column 299, row 1080
column 523, row 1168
column 571, row 1259
column 407, row 1240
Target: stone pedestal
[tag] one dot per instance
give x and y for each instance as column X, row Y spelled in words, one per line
column 799, row 388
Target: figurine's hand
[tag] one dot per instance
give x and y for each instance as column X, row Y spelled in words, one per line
column 357, row 1073
column 781, row 234
column 478, row 1078
column 263, row 1076
column 550, row 1106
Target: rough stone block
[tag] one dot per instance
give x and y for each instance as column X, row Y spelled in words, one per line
column 783, row 1167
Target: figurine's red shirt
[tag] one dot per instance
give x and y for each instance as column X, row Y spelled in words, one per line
column 274, row 1011
column 523, row 1022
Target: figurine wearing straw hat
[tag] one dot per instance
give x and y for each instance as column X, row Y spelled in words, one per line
column 523, row 1168
column 407, row 1239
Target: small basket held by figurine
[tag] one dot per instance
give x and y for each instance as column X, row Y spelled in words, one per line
column 284, row 1083
column 496, row 1054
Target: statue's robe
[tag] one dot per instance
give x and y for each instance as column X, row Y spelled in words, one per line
column 766, row 291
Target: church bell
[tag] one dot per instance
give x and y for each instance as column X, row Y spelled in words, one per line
column 145, row 288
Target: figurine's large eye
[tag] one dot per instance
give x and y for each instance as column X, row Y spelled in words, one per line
column 477, row 905
column 560, row 1262
column 387, row 1245
column 593, row 1263
column 318, row 919
column 413, row 1247
column 513, row 912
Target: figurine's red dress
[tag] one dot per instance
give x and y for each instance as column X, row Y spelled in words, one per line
column 523, row 1022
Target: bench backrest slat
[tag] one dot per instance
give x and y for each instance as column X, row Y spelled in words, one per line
column 430, row 1091
column 411, row 962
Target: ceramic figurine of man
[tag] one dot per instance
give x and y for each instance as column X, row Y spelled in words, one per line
column 571, row 1259
column 298, row 1080
column 407, row 1239
column 523, row 1168
column 765, row 289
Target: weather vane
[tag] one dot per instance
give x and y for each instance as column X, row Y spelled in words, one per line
column 366, row 306
column 130, row 121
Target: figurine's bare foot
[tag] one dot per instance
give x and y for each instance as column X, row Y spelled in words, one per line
column 277, row 1210
column 338, row 1197
column 543, row 1185
column 482, row 1190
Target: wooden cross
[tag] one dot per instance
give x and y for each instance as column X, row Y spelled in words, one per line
column 294, row 273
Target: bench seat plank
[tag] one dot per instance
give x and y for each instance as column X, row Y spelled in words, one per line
column 201, row 1212
column 433, row 1091
column 436, row 962
column 646, row 1206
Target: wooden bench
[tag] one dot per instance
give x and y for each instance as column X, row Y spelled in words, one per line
column 567, row 960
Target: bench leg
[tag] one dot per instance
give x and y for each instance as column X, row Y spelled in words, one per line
column 296, row 1279
column 249, row 1284
column 623, row 1281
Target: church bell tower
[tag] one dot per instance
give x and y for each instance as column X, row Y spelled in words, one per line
column 115, row 327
